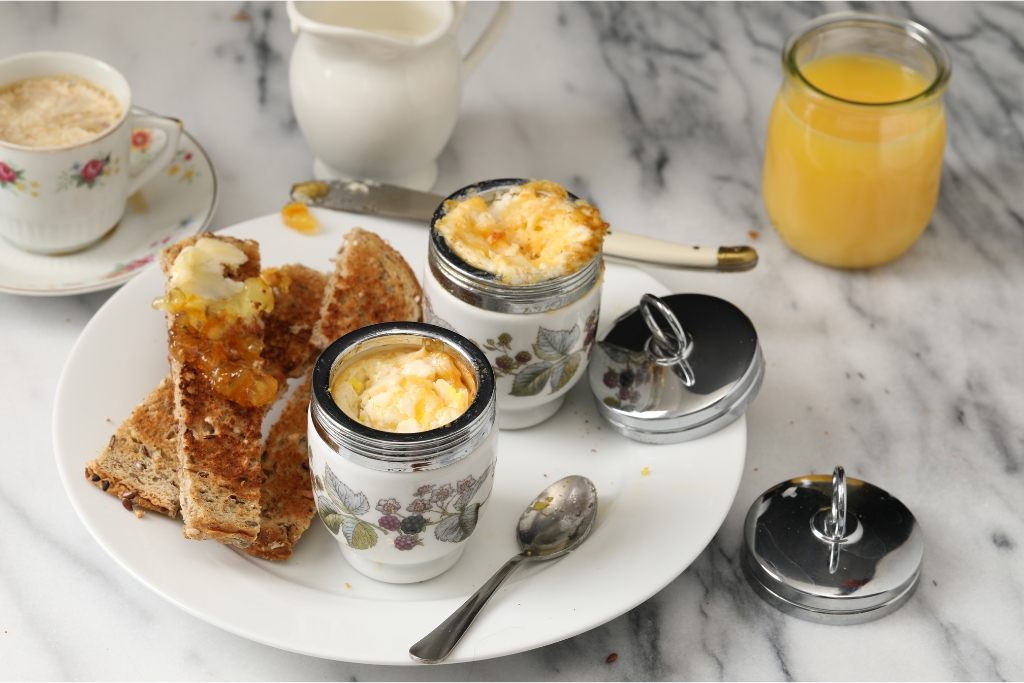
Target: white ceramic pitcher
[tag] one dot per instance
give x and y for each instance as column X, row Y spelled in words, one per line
column 376, row 86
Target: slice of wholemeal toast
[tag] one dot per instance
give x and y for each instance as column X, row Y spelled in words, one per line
column 219, row 440
column 142, row 455
column 371, row 283
column 286, row 499
column 298, row 293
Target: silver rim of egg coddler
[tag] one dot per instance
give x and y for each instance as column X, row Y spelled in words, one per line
column 676, row 368
column 484, row 290
column 832, row 550
column 390, row 451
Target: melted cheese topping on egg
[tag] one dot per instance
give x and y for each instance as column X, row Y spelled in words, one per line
column 402, row 390
column 528, row 234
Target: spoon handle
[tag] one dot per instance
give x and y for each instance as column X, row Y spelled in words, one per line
column 436, row 645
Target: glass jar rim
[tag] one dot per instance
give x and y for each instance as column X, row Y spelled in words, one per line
column 928, row 40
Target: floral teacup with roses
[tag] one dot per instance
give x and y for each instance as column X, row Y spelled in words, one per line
column 60, row 199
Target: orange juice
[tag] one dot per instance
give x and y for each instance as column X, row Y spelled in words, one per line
column 853, row 159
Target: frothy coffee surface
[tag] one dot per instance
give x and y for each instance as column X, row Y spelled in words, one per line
column 53, row 111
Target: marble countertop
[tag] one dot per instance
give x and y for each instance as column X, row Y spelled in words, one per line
column 910, row 375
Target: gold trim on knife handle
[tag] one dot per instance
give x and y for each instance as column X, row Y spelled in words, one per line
column 736, row 259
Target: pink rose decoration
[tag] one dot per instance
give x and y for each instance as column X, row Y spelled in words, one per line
column 6, row 174
column 140, row 139
column 91, row 170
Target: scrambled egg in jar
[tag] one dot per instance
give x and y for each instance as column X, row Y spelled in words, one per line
column 528, row 234
column 402, row 390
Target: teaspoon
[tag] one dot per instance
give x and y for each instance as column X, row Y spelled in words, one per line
column 554, row 524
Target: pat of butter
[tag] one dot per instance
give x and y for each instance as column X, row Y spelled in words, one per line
column 199, row 269
column 403, row 390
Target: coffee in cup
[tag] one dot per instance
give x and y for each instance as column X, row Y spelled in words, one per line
column 54, row 111
column 65, row 127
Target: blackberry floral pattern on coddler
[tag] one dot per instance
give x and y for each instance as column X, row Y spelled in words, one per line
column 553, row 361
column 450, row 509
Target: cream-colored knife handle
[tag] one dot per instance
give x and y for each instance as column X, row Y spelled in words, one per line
column 637, row 248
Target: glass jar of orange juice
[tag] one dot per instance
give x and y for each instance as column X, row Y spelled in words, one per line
column 856, row 137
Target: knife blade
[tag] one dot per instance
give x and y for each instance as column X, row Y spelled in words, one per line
column 371, row 197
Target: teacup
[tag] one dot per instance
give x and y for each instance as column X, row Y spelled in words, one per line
column 60, row 199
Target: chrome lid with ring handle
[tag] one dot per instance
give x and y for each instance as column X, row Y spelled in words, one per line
column 832, row 550
column 676, row 368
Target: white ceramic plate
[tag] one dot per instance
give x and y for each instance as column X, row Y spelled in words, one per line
column 659, row 505
column 175, row 204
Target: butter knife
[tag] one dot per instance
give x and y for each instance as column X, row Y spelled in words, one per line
column 367, row 196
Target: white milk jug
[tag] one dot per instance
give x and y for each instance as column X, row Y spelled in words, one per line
column 376, row 86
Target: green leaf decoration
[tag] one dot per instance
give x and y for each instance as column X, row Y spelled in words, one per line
column 616, row 353
column 468, row 518
column 332, row 517
column 349, row 501
column 612, row 401
column 450, row 530
column 531, row 380
column 358, row 533
column 564, row 370
column 469, row 493
column 553, row 345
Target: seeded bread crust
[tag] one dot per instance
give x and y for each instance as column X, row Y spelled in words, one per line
column 142, row 455
column 219, row 441
column 371, row 283
column 286, row 495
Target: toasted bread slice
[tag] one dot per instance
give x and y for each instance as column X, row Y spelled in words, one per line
column 219, row 441
column 298, row 293
column 286, row 496
column 371, row 283
column 142, row 455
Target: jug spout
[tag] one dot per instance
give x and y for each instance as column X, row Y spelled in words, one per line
column 403, row 22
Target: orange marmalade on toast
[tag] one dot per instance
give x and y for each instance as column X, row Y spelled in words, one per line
column 526, row 234
column 215, row 321
column 407, row 389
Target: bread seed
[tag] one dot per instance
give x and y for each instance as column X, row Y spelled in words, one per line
column 86, row 472
column 128, row 495
column 307, row 494
column 612, row 657
column 139, row 513
column 95, row 477
column 112, row 441
column 251, row 524
column 106, row 484
column 127, row 504
column 145, row 451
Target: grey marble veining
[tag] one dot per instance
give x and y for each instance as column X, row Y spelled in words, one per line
column 909, row 375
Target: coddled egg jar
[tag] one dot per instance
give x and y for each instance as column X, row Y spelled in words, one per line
column 402, row 505
column 537, row 337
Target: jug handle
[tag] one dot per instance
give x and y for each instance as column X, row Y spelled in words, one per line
column 486, row 40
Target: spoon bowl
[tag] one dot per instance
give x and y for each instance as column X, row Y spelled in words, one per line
column 554, row 524
column 558, row 519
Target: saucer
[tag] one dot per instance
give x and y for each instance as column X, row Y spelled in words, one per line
column 175, row 204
